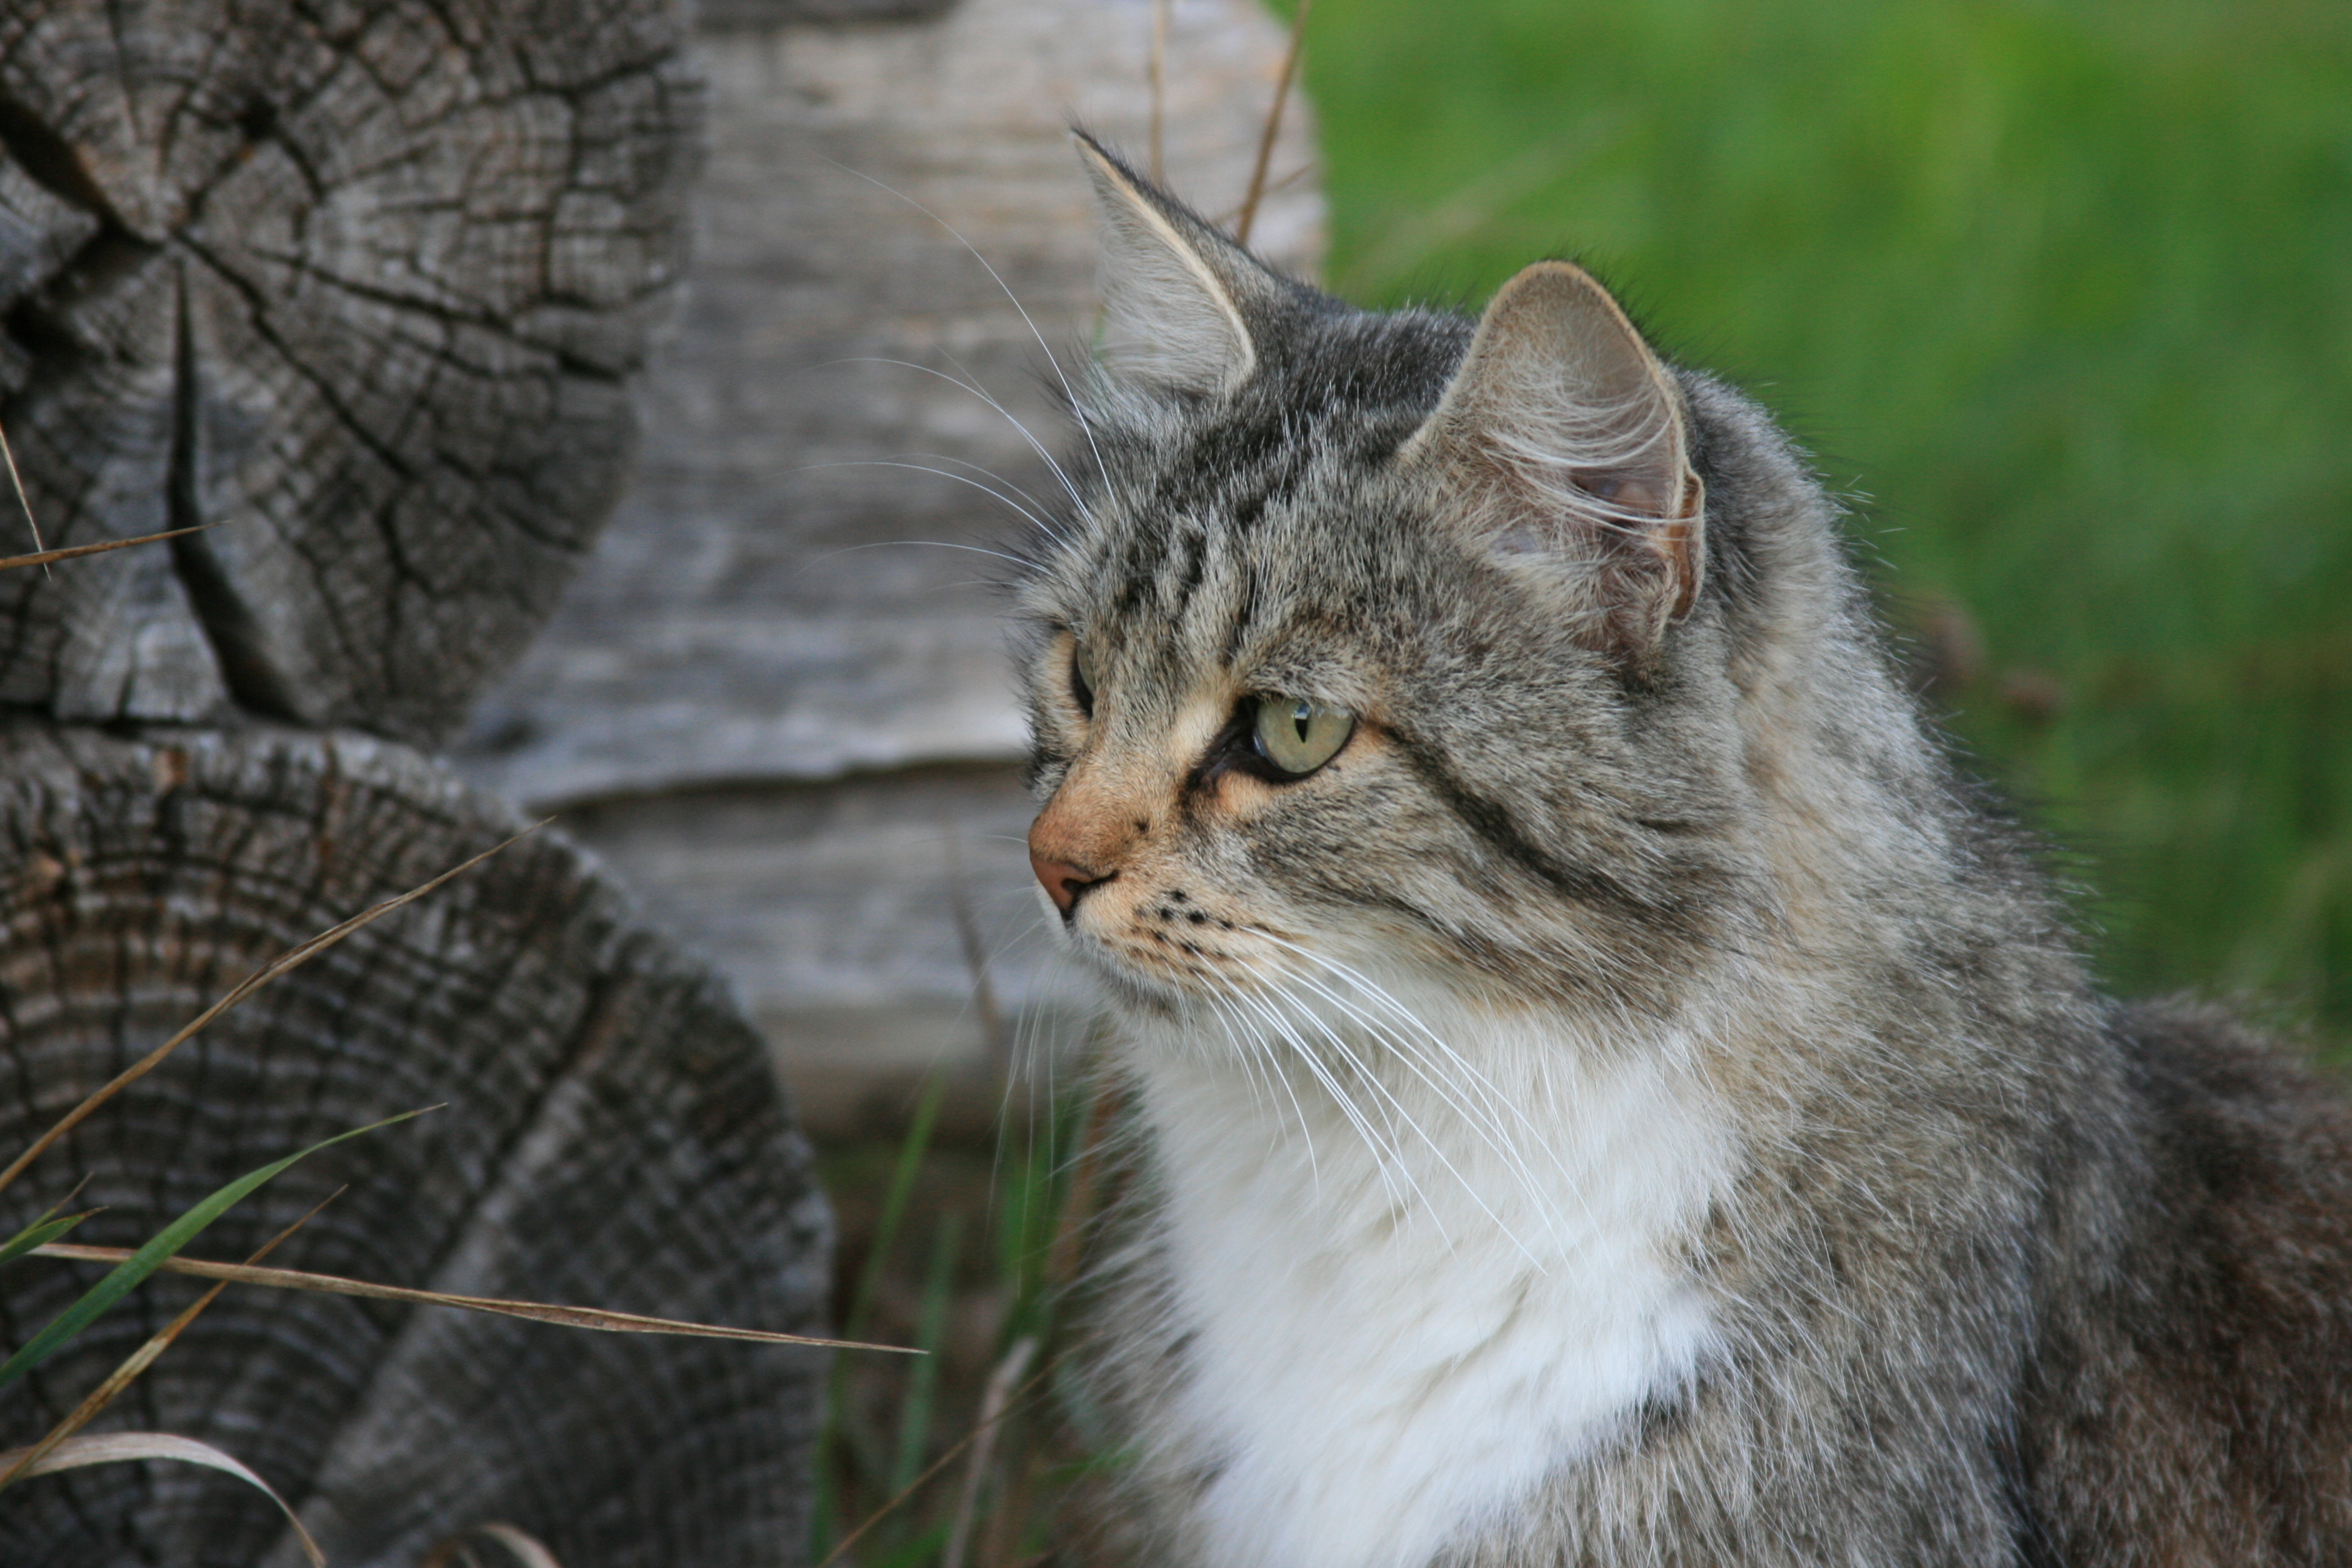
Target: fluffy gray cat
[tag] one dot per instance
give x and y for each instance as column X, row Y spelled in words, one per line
column 1605, row 1090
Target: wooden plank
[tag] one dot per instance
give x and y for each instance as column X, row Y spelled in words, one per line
column 876, row 927
column 763, row 607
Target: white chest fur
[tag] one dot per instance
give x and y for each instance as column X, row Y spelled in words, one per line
column 1396, row 1334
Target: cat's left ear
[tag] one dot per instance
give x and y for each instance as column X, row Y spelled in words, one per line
column 1569, row 444
column 1179, row 296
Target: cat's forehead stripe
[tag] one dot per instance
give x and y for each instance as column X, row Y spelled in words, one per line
column 1196, row 530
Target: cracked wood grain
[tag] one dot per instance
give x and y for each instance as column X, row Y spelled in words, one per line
column 361, row 280
column 613, row 1138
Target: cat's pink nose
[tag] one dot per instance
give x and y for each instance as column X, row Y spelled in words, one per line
column 1063, row 882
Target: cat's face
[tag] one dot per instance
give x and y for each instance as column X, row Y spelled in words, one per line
column 1354, row 660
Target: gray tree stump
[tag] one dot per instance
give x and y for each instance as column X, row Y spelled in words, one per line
column 359, row 280
column 613, row 1138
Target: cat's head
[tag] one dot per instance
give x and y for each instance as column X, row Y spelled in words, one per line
column 1388, row 642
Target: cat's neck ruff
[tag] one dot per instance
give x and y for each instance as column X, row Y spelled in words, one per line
column 1400, row 1316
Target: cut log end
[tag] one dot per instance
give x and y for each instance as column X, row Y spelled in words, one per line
column 363, row 286
column 613, row 1137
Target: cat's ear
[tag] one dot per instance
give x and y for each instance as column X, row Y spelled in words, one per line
column 1570, row 443
column 1177, row 294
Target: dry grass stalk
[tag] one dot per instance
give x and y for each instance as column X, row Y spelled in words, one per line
column 1158, row 96
column 293, row 958
column 8, row 455
column 140, row 1360
column 1078, row 1208
column 1272, row 123
column 525, row 1547
column 42, row 558
column 596, row 1318
column 934, row 1467
column 992, row 1402
column 119, row 1448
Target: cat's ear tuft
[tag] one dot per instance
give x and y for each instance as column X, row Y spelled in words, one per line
column 1570, row 443
column 1177, row 295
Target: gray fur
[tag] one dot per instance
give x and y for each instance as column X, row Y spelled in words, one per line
column 1972, row 1267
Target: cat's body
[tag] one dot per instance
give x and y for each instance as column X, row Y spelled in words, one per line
column 1605, row 1092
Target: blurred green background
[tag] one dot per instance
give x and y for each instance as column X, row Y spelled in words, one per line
column 2058, row 293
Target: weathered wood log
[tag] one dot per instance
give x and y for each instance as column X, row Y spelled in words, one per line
column 361, row 282
column 613, row 1137
column 783, row 711
column 878, row 928
column 772, row 600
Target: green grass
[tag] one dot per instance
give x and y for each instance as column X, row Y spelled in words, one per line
column 2064, row 289
column 946, row 1247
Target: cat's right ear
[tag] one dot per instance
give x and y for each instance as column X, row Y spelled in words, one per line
column 1568, row 444
column 1177, row 295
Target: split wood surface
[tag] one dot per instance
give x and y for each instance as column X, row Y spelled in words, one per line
column 361, row 282
column 613, row 1139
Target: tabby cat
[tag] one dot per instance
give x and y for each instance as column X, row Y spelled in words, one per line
column 1606, row 1090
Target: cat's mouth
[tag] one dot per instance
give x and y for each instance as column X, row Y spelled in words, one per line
column 1172, row 949
column 1176, row 943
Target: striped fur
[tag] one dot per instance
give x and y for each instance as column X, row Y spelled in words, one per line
column 1637, row 1104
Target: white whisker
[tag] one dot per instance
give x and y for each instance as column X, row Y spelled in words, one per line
column 945, row 474
column 1388, row 1161
column 1469, row 1187
column 968, row 383
column 1076, row 409
column 1485, row 1120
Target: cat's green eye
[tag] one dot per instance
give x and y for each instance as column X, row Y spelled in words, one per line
column 1082, row 678
column 1298, row 736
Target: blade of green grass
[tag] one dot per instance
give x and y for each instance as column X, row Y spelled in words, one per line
column 139, row 1361
column 150, row 1257
column 40, row 1233
column 894, row 1202
column 920, row 1549
column 922, row 1380
column 911, row 1148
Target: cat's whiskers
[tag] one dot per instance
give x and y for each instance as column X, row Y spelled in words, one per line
column 1256, row 1055
column 1482, row 1123
column 1394, row 1111
column 989, row 491
column 1031, row 1049
column 1081, row 509
column 1077, row 408
column 1300, row 1051
column 1262, row 1051
column 1388, row 1156
column 1037, row 507
column 1513, row 1160
column 1247, row 1059
column 1388, row 1140
column 1409, row 1054
column 1372, row 992
column 970, row 383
